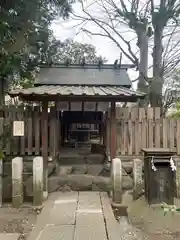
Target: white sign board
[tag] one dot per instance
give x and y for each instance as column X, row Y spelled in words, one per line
column 18, row 128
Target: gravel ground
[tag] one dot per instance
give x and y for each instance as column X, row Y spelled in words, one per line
column 17, row 220
column 149, row 223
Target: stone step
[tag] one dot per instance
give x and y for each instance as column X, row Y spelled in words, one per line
column 75, row 158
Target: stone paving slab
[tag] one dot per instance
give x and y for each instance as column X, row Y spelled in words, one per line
column 64, row 209
column 76, row 216
column 90, row 226
column 89, row 219
column 89, row 200
column 111, row 224
column 9, row 236
column 55, row 232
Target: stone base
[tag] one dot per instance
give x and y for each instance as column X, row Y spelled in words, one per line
column 77, row 177
column 79, row 182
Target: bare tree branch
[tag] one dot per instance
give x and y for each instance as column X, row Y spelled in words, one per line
column 104, row 26
column 158, row 21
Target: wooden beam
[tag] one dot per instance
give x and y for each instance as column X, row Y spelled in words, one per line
column 75, row 98
column 105, row 129
column 44, row 125
column 113, row 130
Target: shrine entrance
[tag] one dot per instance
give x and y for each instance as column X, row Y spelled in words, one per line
column 81, row 127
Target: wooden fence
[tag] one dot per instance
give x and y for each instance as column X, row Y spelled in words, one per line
column 31, row 142
column 139, row 128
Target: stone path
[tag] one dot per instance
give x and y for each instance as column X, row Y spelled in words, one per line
column 76, row 216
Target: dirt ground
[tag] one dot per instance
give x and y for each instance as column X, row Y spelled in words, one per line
column 151, row 221
column 17, row 220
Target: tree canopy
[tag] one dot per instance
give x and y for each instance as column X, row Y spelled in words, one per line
column 59, row 52
column 24, row 29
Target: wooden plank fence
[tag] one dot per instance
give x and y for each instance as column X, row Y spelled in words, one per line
column 30, row 143
column 139, row 128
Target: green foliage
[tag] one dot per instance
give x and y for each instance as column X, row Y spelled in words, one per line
column 176, row 114
column 5, row 137
column 26, row 40
column 169, row 208
column 23, row 26
column 58, row 52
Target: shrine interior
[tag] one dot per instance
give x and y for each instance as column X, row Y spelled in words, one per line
column 79, row 128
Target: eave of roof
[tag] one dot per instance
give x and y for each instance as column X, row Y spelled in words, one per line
column 89, row 66
column 103, row 93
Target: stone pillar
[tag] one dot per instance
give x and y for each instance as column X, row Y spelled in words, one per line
column 17, row 182
column 116, row 177
column 177, row 177
column 1, row 181
column 137, row 178
column 37, row 181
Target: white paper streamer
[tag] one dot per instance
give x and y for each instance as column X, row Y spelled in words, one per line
column 172, row 165
column 152, row 165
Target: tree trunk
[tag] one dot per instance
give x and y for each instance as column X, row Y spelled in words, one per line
column 143, row 65
column 157, row 81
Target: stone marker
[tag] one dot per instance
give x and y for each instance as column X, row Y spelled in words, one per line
column 1, row 181
column 116, row 177
column 37, row 181
column 17, row 182
column 137, row 178
column 177, row 177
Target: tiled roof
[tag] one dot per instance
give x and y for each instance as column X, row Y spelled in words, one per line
column 90, row 75
column 58, row 90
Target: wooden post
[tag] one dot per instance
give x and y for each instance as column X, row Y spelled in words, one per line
column 137, row 178
column 37, row 181
column 113, row 130
column 17, row 182
column 45, row 147
column 116, row 176
column 177, row 177
column 105, row 130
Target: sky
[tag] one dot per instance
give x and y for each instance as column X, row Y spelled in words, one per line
column 64, row 29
